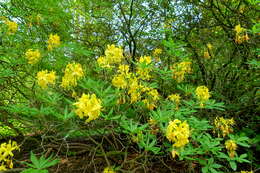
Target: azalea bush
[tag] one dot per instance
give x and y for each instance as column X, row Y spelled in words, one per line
column 160, row 100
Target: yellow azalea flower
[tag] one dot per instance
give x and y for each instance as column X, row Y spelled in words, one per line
column 202, row 93
column 133, row 85
column 157, row 51
column 119, row 81
column 103, row 62
column 176, row 99
column 179, row 76
column 145, row 89
column 33, row 56
column 123, row 69
column 53, row 41
column 9, row 147
column 180, row 69
column 6, row 154
column 174, row 153
column 223, row 126
column 238, row 29
column 114, row 54
column 143, row 73
column 10, row 164
column 12, row 26
column 135, row 96
column 88, row 106
column 185, row 66
column 149, row 105
column 44, row 78
column 247, row 172
column 145, row 59
column 154, row 94
column 178, row 132
column 73, row 72
column 108, row 170
column 241, row 35
column 231, row 146
column 134, row 90
column 3, row 167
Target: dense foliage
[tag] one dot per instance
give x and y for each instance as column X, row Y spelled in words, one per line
column 144, row 85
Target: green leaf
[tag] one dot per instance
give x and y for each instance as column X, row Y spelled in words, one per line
column 51, row 163
column 210, row 161
column 34, row 160
column 256, row 28
column 215, row 165
column 213, row 170
column 204, row 170
column 224, row 156
column 67, row 115
column 233, row 165
column 242, row 156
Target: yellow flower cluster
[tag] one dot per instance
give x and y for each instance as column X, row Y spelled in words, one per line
column 108, row 170
column 127, row 80
column 53, row 41
column 157, row 52
column 123, row 69
column 202, row 93
column 231, row 146
column 134, row 90
column 143, row 73
column 145, row 60
column 73, row 72
column 223, row 126
column 33, row 56
column 120, row 80
column 88, row 106
column 241, row 35
column 6, row 154
column 143, row 68
column 44, row 78
column 178, row 132
column 12, row 26
column 247, row 172
column 113, row 55
column 180, row 69
column 152, row 97
column 176, row 99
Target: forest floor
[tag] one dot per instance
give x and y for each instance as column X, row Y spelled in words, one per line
column 81, row 155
